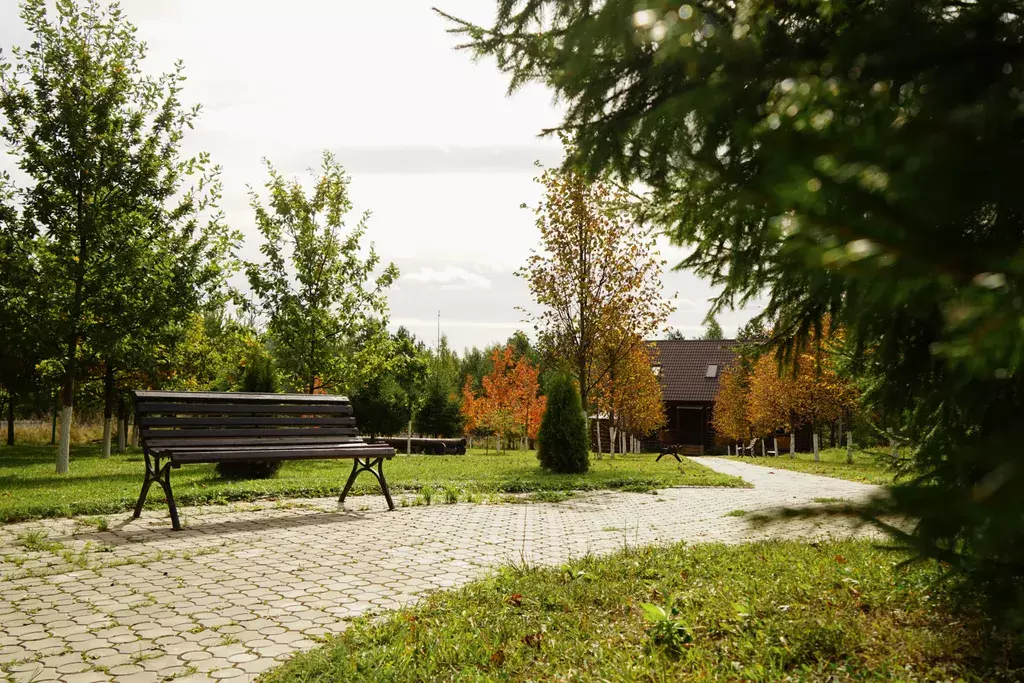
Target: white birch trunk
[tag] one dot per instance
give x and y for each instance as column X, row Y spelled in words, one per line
column 792, row 445
column 64, row 442
column 597, row 423
column 814, row 438
column 849, row 448
column 108, row 426
column 611, row 441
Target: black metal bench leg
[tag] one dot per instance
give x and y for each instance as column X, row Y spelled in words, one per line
column 367, row 465
column 384, row 483
column 150, row 476
column 165, row 482
column 351, row 480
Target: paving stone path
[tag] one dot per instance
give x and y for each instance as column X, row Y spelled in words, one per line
column 245, row 586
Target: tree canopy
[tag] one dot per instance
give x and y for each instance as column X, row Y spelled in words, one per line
column 325, row 307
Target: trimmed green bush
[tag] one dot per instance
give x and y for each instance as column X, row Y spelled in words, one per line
column 562, row 441
column 259, row 377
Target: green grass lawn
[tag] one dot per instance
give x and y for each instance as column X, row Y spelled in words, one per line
column 866, row 467
column 758, row 612
column 29, row 488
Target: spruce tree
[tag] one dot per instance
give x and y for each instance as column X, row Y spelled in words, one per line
column 562, row 443
column 852, row 163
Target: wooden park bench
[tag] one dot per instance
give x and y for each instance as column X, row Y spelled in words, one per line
column 181, row 428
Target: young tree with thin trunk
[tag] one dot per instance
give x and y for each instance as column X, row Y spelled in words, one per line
column 596, row 278
column 326, row 309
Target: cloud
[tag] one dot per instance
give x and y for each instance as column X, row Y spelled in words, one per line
column 450, row 278
column 418, row 159
column 461, row 324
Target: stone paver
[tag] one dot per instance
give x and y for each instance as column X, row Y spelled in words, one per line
column 244, row 587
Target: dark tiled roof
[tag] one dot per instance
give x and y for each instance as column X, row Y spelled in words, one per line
column 684, row 367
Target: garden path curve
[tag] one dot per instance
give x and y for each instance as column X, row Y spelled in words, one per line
column 243, row 587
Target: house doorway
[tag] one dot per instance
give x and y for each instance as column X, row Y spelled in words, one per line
column 691, row 425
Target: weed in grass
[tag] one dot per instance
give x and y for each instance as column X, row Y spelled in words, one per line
column 550, row 496
column 451, row 494
column 427, row 494
column 735, row 513
column 666, row 629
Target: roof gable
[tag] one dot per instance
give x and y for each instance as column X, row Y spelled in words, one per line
column 684, row 365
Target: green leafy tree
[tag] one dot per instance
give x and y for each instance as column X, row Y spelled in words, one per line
column 440, row 413
column 855, row 162
column 326, row 310
column 381, row 406
column 675, row 334
column 712, row 330
column 563, row 444
column 98, row 141
column 387, row 402
column 22, row 329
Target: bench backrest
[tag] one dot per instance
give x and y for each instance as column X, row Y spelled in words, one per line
column 171, row 420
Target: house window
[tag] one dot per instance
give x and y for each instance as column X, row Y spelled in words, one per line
column 712, row 371
column 656, row 369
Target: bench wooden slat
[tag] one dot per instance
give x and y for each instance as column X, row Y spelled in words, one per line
column 235, row 397
column 253, row 420
column 283, row 454
column 172, row 442
column 255, row 409
column 284, row 432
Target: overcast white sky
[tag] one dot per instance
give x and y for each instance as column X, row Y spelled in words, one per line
column 436, row 150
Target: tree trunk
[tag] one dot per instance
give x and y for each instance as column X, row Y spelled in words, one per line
column 597, row 424
column 122, row 426
column 108, row 407
column 408, row 436
column 67, row 409
column 792, row 445
column 611, row 440
column 53, row 427
column 849, row 448
column 763, row 454
column 814, row 437
column 10, row 420
column 775, row 445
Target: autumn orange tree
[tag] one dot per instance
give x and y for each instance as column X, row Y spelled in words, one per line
column 596, row 277
column 806, row 390
column 509, row 403
column 630, row 392
column 730, row 414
